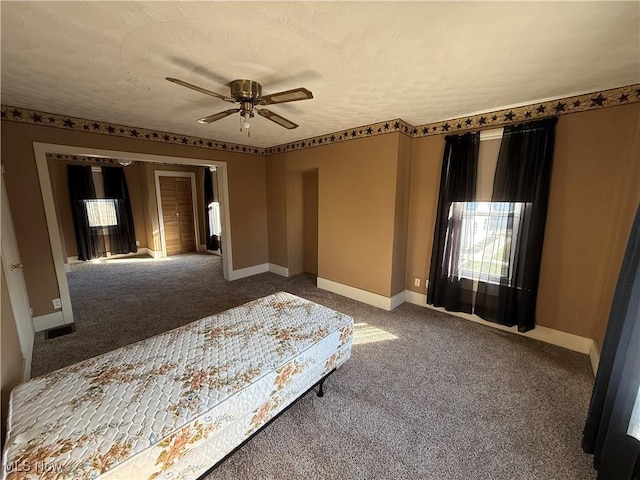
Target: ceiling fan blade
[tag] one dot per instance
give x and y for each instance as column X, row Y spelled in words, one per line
column 217, row 116
column 286, row 96
column 199, row 89
column 274, row 117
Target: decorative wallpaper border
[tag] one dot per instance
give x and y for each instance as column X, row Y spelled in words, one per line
column 25, row 115
column 552, row 108
column 371, row 130
column 495, row 119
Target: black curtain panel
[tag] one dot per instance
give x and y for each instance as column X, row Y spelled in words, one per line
column 611, row 431
column 122, row 237
column 457, row 184
column 213, row 242
column 89, row 242
column 523, row 174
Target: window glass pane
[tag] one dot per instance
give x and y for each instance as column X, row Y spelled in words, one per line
column 487, row 231
column 215, row 226
column 101, row 212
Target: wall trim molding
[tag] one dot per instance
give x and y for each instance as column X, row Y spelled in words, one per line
column 354, row 293
column 248, row 271
column 278, row 270
column 544, row 334
column 397, row 300
column 48, row 321
column 498, row 117
column 26, row 369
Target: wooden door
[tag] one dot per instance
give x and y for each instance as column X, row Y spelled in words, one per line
column 177, row 214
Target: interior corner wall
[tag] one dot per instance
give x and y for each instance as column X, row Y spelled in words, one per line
column 595, row 189
column 310, row 220
column 356, row 209
column 401, row 215
column 295, row 223
column 247, row 198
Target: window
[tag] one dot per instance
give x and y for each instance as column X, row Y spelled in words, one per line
column 101, row 212
column 215, row 226
column 485, row 242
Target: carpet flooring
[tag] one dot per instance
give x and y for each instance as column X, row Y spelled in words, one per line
column 425, row 395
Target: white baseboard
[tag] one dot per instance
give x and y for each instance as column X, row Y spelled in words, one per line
column 358, row 294
column 277, row 269
column 544, row 334
column 249, row 271
column 50, row 320
column 397, row 300
column 594, row 356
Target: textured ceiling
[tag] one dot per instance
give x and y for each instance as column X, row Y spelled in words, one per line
column 364, row 61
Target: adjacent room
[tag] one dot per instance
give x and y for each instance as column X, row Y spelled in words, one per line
column 320, row 240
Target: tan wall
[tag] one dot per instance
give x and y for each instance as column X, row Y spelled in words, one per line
column 60, row 188
column 310, row 186
column 401, row 216
column 356, row 208
column 295, row 223
column 247, row 202
column 425, row 183
column 595, row 189
column 12, row 360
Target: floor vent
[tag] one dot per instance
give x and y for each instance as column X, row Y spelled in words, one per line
column 59, row 332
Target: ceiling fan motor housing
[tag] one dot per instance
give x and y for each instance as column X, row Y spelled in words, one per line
column 245, row 90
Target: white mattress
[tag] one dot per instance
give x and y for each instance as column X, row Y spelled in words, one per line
column 173, row 405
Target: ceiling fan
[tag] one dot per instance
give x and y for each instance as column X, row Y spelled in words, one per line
column 248, row 94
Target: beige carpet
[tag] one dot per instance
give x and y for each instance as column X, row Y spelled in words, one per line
column 424, row 396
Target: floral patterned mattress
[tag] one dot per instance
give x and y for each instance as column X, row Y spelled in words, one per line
column 172, row 406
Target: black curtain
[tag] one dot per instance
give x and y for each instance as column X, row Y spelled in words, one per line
column 523, row 174
column 457, row 184
column 122, row 237
column 617, row 454
column 213, row 243
column 90, row 244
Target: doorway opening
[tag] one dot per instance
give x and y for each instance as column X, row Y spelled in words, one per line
column 140, row 170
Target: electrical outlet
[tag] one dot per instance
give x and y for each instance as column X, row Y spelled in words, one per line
column 416, row 282
column 56, row 303
column 137, row 243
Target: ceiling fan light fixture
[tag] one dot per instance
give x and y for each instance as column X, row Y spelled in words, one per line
column 248, row 94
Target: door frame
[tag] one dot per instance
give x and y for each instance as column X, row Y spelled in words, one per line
column 40, row 151
column 194, row 198
column 16, row 287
